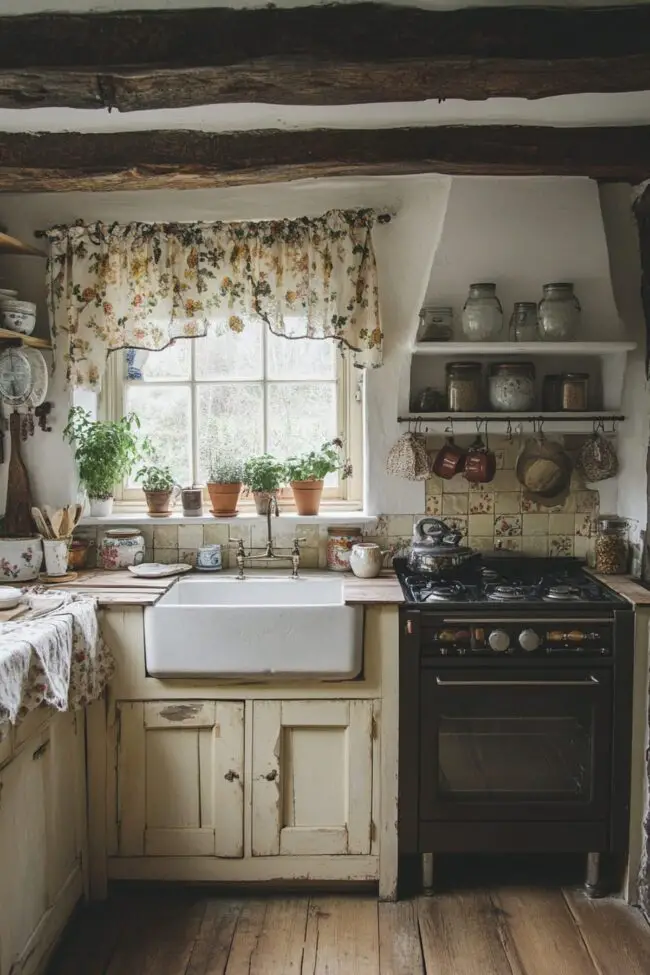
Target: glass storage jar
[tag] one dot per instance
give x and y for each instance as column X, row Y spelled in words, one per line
column 558, row 313
column 464, row 386
column 482, row 316
column 523, row 322
column 611, row 546
column 512, row 386
column 575, row 389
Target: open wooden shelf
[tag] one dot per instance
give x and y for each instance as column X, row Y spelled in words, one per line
column 6, row 334
column 521, row 348
column 11, row 245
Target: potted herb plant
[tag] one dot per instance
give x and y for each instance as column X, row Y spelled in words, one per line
column 307, row 472
column 224, row 486
column 105, row 452
column 158, row 486
column 264, row 475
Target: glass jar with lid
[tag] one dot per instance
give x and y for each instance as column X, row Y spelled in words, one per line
column 523, row 322
column 558, row 312
column 611, row 546
column 464, row 386
column 512, row 386
column 482, row 316
column 575, row 390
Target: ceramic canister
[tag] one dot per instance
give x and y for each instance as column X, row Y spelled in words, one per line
column 120, row 547
column 20, row 558
column 208, row 558
column 366, row 560
column 339, row 545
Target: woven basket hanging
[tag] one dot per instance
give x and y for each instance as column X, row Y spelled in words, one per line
column 597, row 459
column 408, row 458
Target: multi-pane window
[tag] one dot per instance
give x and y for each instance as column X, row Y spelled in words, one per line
column 239, row 394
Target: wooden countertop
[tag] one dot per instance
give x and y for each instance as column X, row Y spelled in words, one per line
column 118, row 587
column 627, row 587
column 384, row 589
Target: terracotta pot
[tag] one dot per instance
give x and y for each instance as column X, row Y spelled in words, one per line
column 307, row 495
column 224, row 498
column 262, row 499
column 158, row 502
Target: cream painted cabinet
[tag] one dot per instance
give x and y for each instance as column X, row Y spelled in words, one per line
column 312, row 767
column 179, row 783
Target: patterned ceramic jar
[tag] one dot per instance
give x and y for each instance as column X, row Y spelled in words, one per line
column 339, row 545
column 20, row 558
column 120, row 547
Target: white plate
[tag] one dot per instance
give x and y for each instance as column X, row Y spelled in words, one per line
column 156, row 570
column 9, row 597
column 39, row 377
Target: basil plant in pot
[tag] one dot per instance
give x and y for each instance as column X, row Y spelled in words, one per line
column 306, row 474
column 105, row 453
column 264, row 475
column 158, row 485
column 225, row 477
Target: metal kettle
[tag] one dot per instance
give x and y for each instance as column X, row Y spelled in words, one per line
column 435, row 549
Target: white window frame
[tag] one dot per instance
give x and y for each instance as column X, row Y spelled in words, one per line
column 349, row 494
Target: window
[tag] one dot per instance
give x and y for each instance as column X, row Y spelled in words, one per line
column 242, row 394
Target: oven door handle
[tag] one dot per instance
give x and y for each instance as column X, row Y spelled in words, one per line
column 587, row 682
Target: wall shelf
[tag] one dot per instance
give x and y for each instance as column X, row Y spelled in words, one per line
column 498, row 422
column 6, row 335
column 11, row 245
column 448, row 349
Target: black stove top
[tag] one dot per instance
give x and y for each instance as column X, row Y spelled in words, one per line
column 509, row 581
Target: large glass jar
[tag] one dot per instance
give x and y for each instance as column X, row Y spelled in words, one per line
column 611, row 546
column 575, row 390
column 558, row 313
column 482, row 313
column 523, row 322
column 464, row 386
column 512, row 386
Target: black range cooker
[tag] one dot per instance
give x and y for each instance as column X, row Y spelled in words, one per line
column 515, row 711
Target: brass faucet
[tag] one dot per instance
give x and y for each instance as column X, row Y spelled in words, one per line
column 268, row 552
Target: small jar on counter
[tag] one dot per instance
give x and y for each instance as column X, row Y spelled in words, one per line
column 575, row 389
column 120, row 547
column 512, row 386
column 464, row 386
column 611, row 546
column 339, row 546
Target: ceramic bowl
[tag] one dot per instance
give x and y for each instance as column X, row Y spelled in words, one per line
column 18, row 321
column 20, row 558
column 10, row 597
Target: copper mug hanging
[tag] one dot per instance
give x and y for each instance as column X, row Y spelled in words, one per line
column 450, row 459
column 480, row 462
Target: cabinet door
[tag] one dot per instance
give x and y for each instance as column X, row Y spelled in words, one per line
column 66, row 806
column 180, row 778
column 312, row 777
column 23, row 848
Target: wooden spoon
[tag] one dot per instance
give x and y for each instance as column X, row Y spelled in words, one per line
column 54, row 518
column 41, row 523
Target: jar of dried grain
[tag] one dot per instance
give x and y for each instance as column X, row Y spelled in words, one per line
column 611, row 546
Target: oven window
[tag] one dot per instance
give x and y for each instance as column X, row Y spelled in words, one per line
column 544, row 758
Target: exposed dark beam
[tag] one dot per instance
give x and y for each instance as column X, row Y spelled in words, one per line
column 328, row 55
column 181, row 159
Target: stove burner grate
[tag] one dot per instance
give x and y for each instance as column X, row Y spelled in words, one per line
column 561, row 593
column 444, row 592
column 509, row 594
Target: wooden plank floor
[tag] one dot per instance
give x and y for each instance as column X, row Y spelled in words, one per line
column 501, row 931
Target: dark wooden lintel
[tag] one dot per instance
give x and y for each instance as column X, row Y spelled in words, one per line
column 186, row 159
column 333, row 54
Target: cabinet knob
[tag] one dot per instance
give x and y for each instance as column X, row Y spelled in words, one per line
column 409, row 627
column 230, row 775
column 271, row 776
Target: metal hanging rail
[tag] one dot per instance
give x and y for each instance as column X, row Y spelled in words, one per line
column 512, row 418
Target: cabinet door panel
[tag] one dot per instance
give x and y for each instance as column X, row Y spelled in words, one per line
column 65, row 830
column 312, row 777
column 180, row 772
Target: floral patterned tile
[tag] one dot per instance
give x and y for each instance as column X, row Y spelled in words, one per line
column 583, row 526
column 508, row 544
column 587, row 502
column 507, row 525
column 458, row 523
column 481, row 504
column 455, row 504
column 559, row 545
column 433, row 504
column 381, row 526
column 187, row 555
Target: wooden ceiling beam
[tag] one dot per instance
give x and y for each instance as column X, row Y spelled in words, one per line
column 319, row 55
column 186, row 159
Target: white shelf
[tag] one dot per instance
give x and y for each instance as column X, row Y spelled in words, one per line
column 521, row 348
column 498, row 422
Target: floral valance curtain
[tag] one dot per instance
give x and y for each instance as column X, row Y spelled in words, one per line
column 143, row 285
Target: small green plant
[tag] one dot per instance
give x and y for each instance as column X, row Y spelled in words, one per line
column 105, row 451
column 317, row 464
column 155, row 478
column 264, row 473
column 225, row 470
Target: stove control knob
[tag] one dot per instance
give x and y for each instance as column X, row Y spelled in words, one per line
column 529, row 640
column 499, row 640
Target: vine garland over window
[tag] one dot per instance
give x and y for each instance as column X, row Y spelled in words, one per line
column 143, row 285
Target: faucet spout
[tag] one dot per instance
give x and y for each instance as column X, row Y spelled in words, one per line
column 271, row 508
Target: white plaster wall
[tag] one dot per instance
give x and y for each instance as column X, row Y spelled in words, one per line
column 622, row 239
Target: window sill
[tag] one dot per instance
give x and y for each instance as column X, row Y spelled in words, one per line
column 131, row 516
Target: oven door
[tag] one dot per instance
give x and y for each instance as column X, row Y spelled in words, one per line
column 515, row 744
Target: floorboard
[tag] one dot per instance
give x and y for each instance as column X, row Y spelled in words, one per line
column 512, row 930
column 616, row 936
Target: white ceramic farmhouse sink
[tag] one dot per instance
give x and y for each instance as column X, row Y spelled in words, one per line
column 267, row 627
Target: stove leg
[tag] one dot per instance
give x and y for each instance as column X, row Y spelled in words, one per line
column 595, row 885
column 427, row 874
